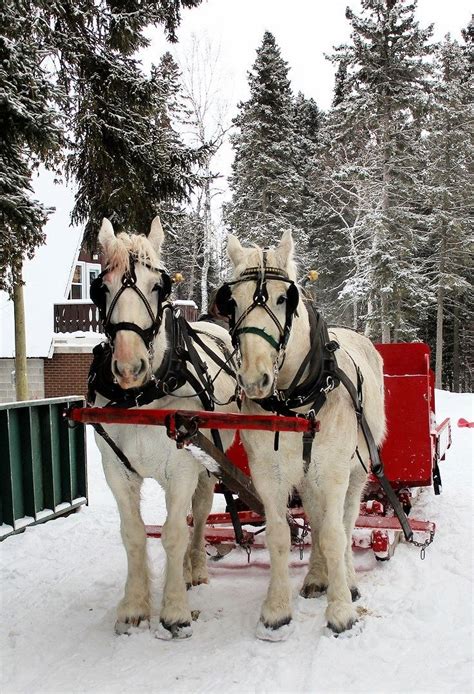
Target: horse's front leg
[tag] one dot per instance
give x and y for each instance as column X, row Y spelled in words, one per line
column 175, row 615
column 276, row 614
column 316, row 580
column 340, row 612
column 135, row 604
column 195, row 561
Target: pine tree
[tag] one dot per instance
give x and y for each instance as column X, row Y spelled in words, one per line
column 450, row 191
column 30, row 133
column 381, row 105
column 264, row 181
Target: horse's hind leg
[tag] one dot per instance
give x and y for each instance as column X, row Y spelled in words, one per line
column 175, row 615
column 316, row 580
column 195, row 561
column 357, row 481
column 340, row 612
column 135, row 604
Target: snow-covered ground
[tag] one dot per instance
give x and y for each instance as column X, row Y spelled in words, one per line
column 60, row 583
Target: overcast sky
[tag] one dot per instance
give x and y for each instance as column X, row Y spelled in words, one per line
column 304, row 30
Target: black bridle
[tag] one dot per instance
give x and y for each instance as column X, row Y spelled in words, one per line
column 99, row 290
column 226, row 305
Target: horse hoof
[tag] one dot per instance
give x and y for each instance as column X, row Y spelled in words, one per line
column 279, row 631
column 178, row 630
column 131, row 624
column 355, row 594
column 313, row 590
column 201, row 580
column 336, row 630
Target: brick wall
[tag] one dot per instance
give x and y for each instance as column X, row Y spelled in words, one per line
column 35, row 379
column 66, row 374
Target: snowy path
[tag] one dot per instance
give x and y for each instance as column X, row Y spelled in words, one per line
column 60, row 583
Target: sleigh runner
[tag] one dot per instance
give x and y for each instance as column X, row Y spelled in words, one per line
column 411, row 454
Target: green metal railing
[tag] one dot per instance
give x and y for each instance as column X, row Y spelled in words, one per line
column 43, row 471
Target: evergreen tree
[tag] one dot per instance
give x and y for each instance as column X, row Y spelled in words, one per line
column 381, row 105
column 30, row 133
column 106, row 105
column 264, row 180
column 450, row 191
column 129, row 161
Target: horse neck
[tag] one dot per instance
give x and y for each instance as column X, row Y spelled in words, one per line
column 297, row 348
column 160, row 344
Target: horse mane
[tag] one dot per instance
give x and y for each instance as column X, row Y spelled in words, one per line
column 118, row 252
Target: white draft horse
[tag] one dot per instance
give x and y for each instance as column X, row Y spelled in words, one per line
column 131, row 289
column 274, row 338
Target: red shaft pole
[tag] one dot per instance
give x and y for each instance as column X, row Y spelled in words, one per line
column 204, row 420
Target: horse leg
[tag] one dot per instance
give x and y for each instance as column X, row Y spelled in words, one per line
column 175, row 615
column 135, row 604
column 340, row 612
column 316, row 580
column 357, row 481
column 195, row 561
column 276, row 608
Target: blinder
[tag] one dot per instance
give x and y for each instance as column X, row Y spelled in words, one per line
column 97, row 293
column 224, row 302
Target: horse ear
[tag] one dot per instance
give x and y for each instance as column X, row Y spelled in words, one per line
column 156, row 235
column 106, row 233
column 284, row 250
column 234, row 249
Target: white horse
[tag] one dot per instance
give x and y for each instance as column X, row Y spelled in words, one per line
column 151, row 453
column 332, row 486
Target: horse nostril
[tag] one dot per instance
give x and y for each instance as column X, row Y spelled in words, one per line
column 116, row 368
column 240, row 380
column 265, row 380
column 140, row 368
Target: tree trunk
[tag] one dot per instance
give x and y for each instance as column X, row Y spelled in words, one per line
column 384, row 299
column 385, row 327
column 439, row 338
column 21, row 375
column 207, row 238
column 456, row 364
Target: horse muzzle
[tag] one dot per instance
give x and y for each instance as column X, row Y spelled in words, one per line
column 258, row 389
column 130, row 375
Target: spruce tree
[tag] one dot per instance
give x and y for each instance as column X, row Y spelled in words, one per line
column 264, row 181
column 382, row 104
column 30, row 133
column 450, row 191
column 129, row 161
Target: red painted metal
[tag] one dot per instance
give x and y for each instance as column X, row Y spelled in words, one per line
column 202, row 419
column 463, row 423
column 408, row 451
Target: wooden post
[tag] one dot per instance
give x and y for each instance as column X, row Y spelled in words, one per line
column 21, row 375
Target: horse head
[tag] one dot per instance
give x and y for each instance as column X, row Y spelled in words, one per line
column 129, row 294
column 261, row 302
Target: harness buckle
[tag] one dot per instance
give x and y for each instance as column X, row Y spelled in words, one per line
column 329, row 385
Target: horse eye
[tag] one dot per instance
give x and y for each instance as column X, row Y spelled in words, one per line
column 281, row 299
column 156, row 287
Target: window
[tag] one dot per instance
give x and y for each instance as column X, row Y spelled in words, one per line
column 84, row 275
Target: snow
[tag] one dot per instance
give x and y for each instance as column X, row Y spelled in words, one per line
column 61, row 582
